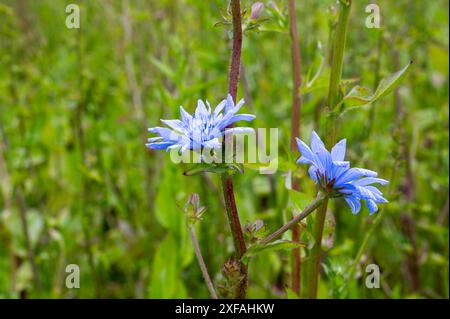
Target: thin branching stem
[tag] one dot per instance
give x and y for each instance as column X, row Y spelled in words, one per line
column 296, row 219
column 237, row 48
column 201, row 263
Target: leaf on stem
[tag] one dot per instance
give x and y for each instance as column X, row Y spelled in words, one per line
column 214, row 168
column 256, row 249
column 360, row 96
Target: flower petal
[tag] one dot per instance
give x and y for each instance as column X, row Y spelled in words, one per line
column 239, row 130
column 354, row 204
column 354, row 173
column 338, row 150
column 316, row 142
column 166, row 133
column 174, row 124
column 159, row 146
column 154, row 139
column 229, row 104
column 201, row 109
column 372, row 206
column 242, row 117
column 325, row 162
column 238, row 106
column 212, row 144
column 340, row 168
column 307, row 155
column 378, row 195
column 185, row 116
column 219, row 108
column 366, row 193
column 370, row 180
column 312, row 173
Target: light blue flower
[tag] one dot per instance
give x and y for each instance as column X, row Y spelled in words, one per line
column 203, row 129
column 335, row 176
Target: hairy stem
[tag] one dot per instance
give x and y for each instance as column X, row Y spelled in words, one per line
column 334, row 96
column 295, row 132
column 237, row 48
column 201, row 263
column 227, row 181
column 233, row 216
column 296, row 219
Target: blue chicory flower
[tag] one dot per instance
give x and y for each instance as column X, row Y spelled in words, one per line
column 337, row 178
column 203, row 129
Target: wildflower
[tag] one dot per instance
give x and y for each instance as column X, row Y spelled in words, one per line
column 337, row 178
column 203, row 129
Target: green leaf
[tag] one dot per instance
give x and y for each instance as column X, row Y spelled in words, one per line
column 273, row 246
column 360, row 95
column 320, row 79
column 204, row 168
column 214, row 168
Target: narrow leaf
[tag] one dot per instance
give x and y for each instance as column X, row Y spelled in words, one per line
column 273, row 246
column 360, row 95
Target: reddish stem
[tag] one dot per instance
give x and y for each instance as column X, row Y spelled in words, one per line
column 227, row 181
column 237, row 48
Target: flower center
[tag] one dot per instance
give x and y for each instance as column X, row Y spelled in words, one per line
column 324, row 182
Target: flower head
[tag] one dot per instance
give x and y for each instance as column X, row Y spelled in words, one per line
column 337, row 178
column 201, row 129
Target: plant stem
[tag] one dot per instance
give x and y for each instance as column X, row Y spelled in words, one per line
column 334, row 96
column 227, row 181
column 377, row 78
column 295, row 220
column 233, row 216
column 337, row 64
column 237, row 48
column 236, row 231
column 201, row 263
column 295, row 132
column 314, row 261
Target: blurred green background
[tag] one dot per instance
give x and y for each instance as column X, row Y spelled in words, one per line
column 75, row 174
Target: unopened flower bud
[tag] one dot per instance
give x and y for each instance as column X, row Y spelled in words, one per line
column 257, row 9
